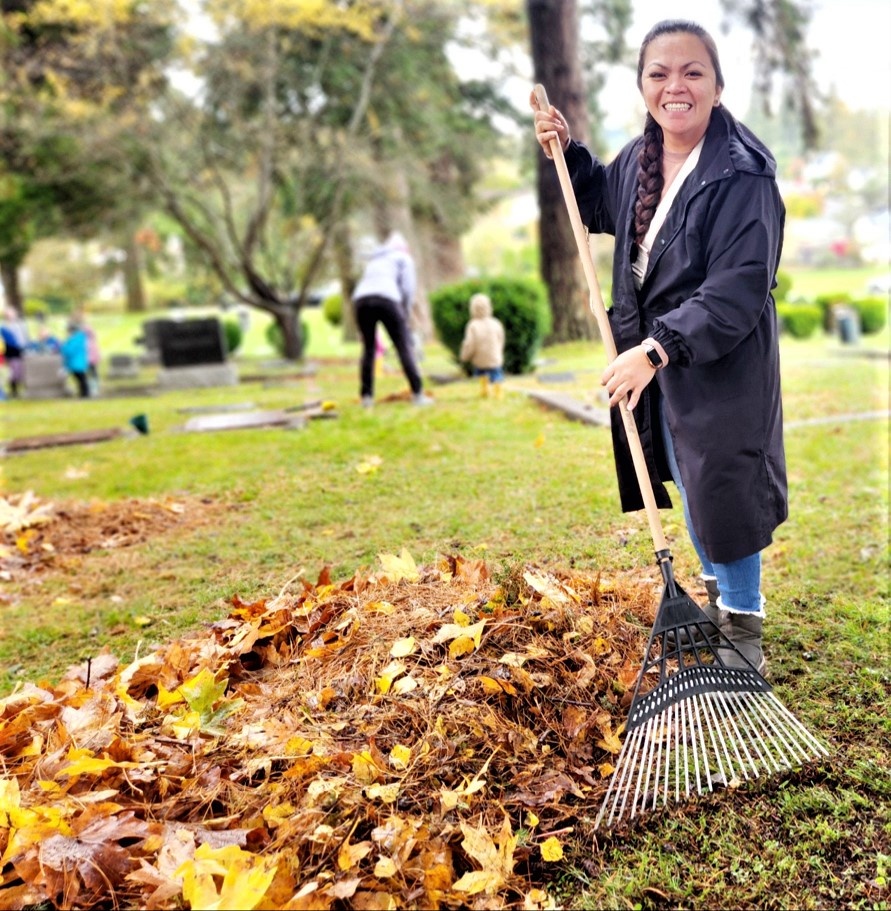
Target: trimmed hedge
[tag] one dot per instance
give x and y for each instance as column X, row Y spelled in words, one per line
column 873, row 312
column 800, row 320
column 826, row 303
column 233, row 335
column 520, row 303
column 277, row 340
column 784, row 286
column 332, row 309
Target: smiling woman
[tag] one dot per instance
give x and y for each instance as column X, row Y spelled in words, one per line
column 697, row 218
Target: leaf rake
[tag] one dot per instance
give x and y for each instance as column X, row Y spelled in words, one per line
column 695, row 722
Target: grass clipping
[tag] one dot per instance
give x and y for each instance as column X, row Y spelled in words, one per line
column 411, row 737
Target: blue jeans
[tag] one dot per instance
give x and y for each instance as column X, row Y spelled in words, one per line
column 495, row 374
column 739, row 582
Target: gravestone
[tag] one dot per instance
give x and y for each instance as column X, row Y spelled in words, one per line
column 122, row 367
column 193, row 354
column 44, row 376
column 187, row 343
column 150, row 341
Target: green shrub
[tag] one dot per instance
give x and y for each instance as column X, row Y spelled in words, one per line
column 826, row 302
column 784, row 285
column 233, row 335
column 873, row 312
column 277, row 340
column 799, row 320
column 520, row 303
column 332, row 309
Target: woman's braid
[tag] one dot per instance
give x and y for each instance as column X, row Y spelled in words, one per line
column 649, row 179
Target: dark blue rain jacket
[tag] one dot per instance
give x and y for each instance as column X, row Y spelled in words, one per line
column 706, row 297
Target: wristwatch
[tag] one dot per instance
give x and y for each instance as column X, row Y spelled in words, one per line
column 653, row 355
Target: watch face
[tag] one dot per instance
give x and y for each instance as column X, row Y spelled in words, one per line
column 653, row 355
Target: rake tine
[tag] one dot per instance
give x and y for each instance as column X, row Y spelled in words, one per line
column 648, row 750
column 803, row 732
column 751, row 722
column 735, row 737
column 705, row 709
column 780, row 741
column 677, row 754
column 620, row 774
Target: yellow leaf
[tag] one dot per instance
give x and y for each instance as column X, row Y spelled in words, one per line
column 494, row 855
column 549, row 587
column 92, row 765
column 369, row 465
column 450, row 799
column 404, row 685
column 495, row 687
column 143, row 620
column 183, row 726
column 551, row 850
column 364, row 767
column 463, row 645
column 298, row 746
column 531, row 819
column 539, row 441
column 246, row 878
column 166, row 697
column 491, row 686
column 385, row 868
column 401, row 567
column 380, row 607
column 403, row 647
column 400, row 757
column 610, row 741
column 461, row 618
column 606, row 769
column 486, row 881
column 393, row 670
column 449, row 631
column 350, row 856
column 388, row 793
column 275, row 815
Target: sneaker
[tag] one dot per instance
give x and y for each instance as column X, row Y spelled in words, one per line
column 421, row 399
column 367, row 401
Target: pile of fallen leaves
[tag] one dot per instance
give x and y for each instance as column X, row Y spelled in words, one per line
column 37, row 533
column 410, row 737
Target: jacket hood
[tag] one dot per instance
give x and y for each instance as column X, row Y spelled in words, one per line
column 747, row 152
column 480, row 306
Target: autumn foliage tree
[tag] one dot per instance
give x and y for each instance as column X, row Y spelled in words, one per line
column 73, row 76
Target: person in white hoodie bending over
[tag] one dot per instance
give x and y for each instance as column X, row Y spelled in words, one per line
column 483, row 345
column 385, row 294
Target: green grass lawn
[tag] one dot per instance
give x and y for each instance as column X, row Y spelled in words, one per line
column 513, row 483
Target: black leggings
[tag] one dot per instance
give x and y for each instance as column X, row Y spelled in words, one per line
column 369, row 312
column 83, row 384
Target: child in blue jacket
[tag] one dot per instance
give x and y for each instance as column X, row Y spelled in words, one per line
column 76, row 357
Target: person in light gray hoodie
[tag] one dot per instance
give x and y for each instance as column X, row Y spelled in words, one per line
column 385, row 294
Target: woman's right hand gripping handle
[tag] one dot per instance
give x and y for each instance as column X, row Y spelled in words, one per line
column 549, row 124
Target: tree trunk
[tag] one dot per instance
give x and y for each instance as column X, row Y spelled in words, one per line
column 343, row 257
column 288, row 321
column 9, row 274
column 553, row 28
column 133, row 276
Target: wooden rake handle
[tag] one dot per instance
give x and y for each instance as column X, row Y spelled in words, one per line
column 595, row 302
